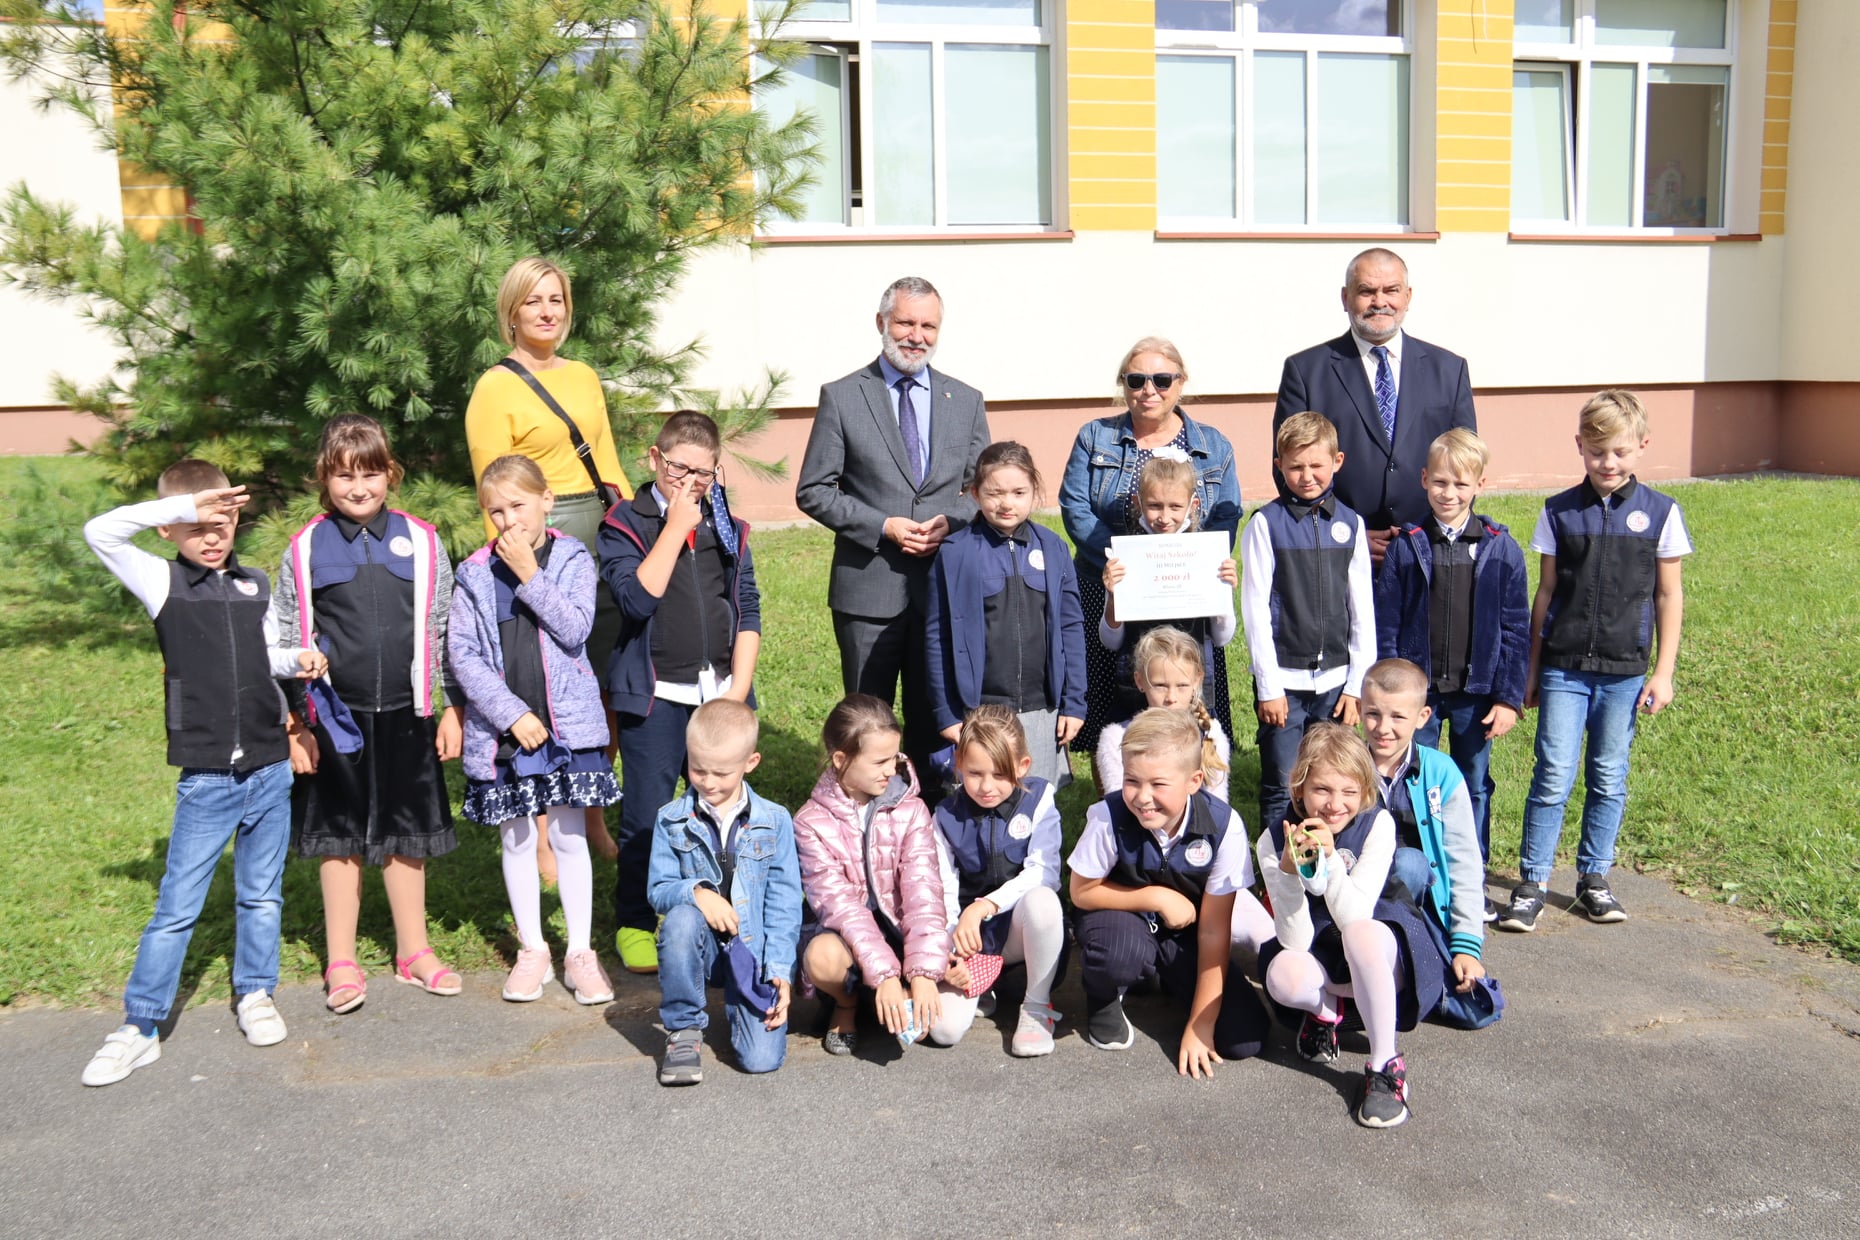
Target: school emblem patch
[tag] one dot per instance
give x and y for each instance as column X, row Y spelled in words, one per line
column 1036, row 560
column 1347, row 857
column 1198, row 853
column 1339, row 532
column 1021, row 827
column 1638, row 522
column 400, row 544
column 245, row 587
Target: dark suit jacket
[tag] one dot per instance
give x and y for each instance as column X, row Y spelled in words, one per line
column 854, row 476
column 1382, row 481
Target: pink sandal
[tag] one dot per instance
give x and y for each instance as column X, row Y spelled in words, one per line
column 431, row 985
column 344, row 997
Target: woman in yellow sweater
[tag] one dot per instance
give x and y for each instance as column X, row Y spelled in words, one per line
column 534, row 310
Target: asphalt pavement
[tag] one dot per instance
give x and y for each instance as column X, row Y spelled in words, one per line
column 1675, row 1075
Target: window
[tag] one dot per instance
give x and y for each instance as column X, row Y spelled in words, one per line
column 931, row 113
column 1619, row 114
column 1282, row 114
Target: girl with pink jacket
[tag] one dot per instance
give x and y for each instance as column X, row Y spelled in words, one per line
column 869, row 868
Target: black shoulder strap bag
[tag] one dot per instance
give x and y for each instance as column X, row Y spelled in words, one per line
column 609, row 494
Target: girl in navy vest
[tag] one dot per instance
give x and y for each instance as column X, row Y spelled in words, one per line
column 1003, row 621
column 1338, row 937
column 371, row 587
column 1160, row 877
column 1168, row 502
column 998, row 841
column 535, row 722
column 1168, row 668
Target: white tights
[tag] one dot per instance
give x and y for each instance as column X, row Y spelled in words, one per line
column 1297, row 980
column 568, row 835
column 1036, row 933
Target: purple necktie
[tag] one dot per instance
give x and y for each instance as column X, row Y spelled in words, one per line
column 907, row 427
column 1385, row 392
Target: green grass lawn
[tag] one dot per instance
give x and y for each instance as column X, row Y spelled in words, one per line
column 1744, row 791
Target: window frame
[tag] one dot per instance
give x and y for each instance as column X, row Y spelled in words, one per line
column 854, row 39
column 1240, row 45
column 1580, row 55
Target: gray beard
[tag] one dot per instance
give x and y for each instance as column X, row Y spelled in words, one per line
column 895, row 356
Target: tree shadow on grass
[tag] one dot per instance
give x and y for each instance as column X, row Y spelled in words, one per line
column 213, row 936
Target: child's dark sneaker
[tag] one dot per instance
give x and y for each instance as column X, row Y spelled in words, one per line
column 1108, row 1029
column 1317, row 1039
column 1597, row 901
column 1527, row 900
column 684, row 1058
column 1385, row 1095
column 1491, row 911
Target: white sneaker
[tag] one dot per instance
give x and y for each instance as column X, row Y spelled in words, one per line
column 259, row 1019
column 1033, row 1036
column 122, row 1053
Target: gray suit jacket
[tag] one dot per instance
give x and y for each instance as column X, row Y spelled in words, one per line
column 854, row 476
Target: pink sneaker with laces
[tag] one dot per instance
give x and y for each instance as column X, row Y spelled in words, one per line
column 533, row 970
column 582, row 973
column 1033, row 1035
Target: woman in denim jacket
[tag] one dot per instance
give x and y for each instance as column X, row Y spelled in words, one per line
column 1098, row 499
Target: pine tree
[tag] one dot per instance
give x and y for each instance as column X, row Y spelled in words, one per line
column 361, row 173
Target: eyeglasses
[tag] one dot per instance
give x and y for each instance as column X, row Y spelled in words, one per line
column 677, row 471
column 1162, row 380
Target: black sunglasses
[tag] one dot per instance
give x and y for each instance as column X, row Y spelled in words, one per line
column 1163, row 380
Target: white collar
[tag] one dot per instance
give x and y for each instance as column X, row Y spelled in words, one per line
column 1393, row 345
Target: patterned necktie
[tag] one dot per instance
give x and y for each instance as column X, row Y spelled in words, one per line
column 907, row 427
column 1385, row 392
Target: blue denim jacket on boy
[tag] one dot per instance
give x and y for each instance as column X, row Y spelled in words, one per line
column 1103, row 467
column 766, row 892
column 1501, row 611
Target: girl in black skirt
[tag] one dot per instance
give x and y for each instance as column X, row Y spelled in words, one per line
column 371, row 587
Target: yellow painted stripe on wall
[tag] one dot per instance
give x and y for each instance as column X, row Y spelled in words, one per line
column 1779, row 87
column 1111, row 114
column 1472, row 115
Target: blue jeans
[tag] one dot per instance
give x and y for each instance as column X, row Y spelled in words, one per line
column 652, row 761
column 1571, row 705
column 1415, row 871
column 253, row 810
column 690, row 958
column 1278, row 750
column 1471, row 749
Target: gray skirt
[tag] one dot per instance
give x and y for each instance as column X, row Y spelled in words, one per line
column 1050, row 761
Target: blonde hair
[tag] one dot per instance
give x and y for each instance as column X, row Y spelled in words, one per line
column 723, row 726
column 515, row 471
column 1150, row 344
column 1333, row 747
column 1396, row 676
column 518, row 283
column 1609, row 414
column 1161, row 732
column 1461, row 451
column 1167, row 471
column 996, row 731
column 1304, row 430
column 1168, row 644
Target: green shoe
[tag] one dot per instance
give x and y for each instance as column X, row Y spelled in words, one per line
column 637, row 950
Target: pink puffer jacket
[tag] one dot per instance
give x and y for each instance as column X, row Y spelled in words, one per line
column 904, row 871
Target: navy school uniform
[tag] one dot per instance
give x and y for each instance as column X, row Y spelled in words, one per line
column 986, row 850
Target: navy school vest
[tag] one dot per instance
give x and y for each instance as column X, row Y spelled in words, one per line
column 1349, row 846
column 983, row 844
column 1311, row 550
column 223, row 707
column 1607, row 564
column 1140, row 860
column 364, row 591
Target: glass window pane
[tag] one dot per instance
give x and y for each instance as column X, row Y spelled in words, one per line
column 961, row 12
column 1278, row 124
column 816, row 83
column 1370, row 17
column 1195, row 171
column 997, row 124
column 1542, row 21
column 825, row 11
column 1660, row 23
column 1611, row 145
column 1362, row 140
column 1539, row 145
column 902, row 189
column 1194, row 14
column 1685, row 147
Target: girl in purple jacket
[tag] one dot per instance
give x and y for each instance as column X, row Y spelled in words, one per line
column 535, row 726
column 870, row 870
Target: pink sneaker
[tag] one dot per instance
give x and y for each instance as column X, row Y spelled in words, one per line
column 1033, row 1035
column 582, row 973
column 532, row 972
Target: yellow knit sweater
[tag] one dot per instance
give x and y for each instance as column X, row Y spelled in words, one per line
column 505, row 416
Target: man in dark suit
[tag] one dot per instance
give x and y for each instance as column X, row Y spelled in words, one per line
column 1389, row 394
column 892, row 446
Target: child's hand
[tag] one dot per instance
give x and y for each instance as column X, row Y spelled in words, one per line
column 1113, row 573
column 889, row 1000
column 1196, row 1059
column 1499, row 720
column 1273, row 712
column 1230, row 572
column 719, row 913
column 1175, row 909
column 957, row 975
column 529, row 731
column 1530, row 690
column 1656, row 694
column 778, row 1015
column 514, row 550
column 1346, row 711
column 684, row 508
column 1467, row 969
column 968, row 935
column 951, row 732
column 304, row 751
column 451, row 739
column 1307, row 835
column 926, row 1004
column 1068, row 728
column 219, row 502
column 312, row 665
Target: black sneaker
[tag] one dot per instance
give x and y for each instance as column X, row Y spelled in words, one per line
column 1108, row 1028
column 684, row 1058
column 1527, row 900
column 1385, row 1096
column 1491, row 911
column 1594, row 898
column 1317, row 1039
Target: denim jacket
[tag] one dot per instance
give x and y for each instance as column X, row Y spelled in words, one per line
column 1102, row 470
column 767, row 888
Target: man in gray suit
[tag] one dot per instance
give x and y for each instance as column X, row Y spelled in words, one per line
column 892, row 446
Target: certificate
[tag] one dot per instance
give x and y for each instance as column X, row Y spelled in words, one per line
column 1172, row 576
